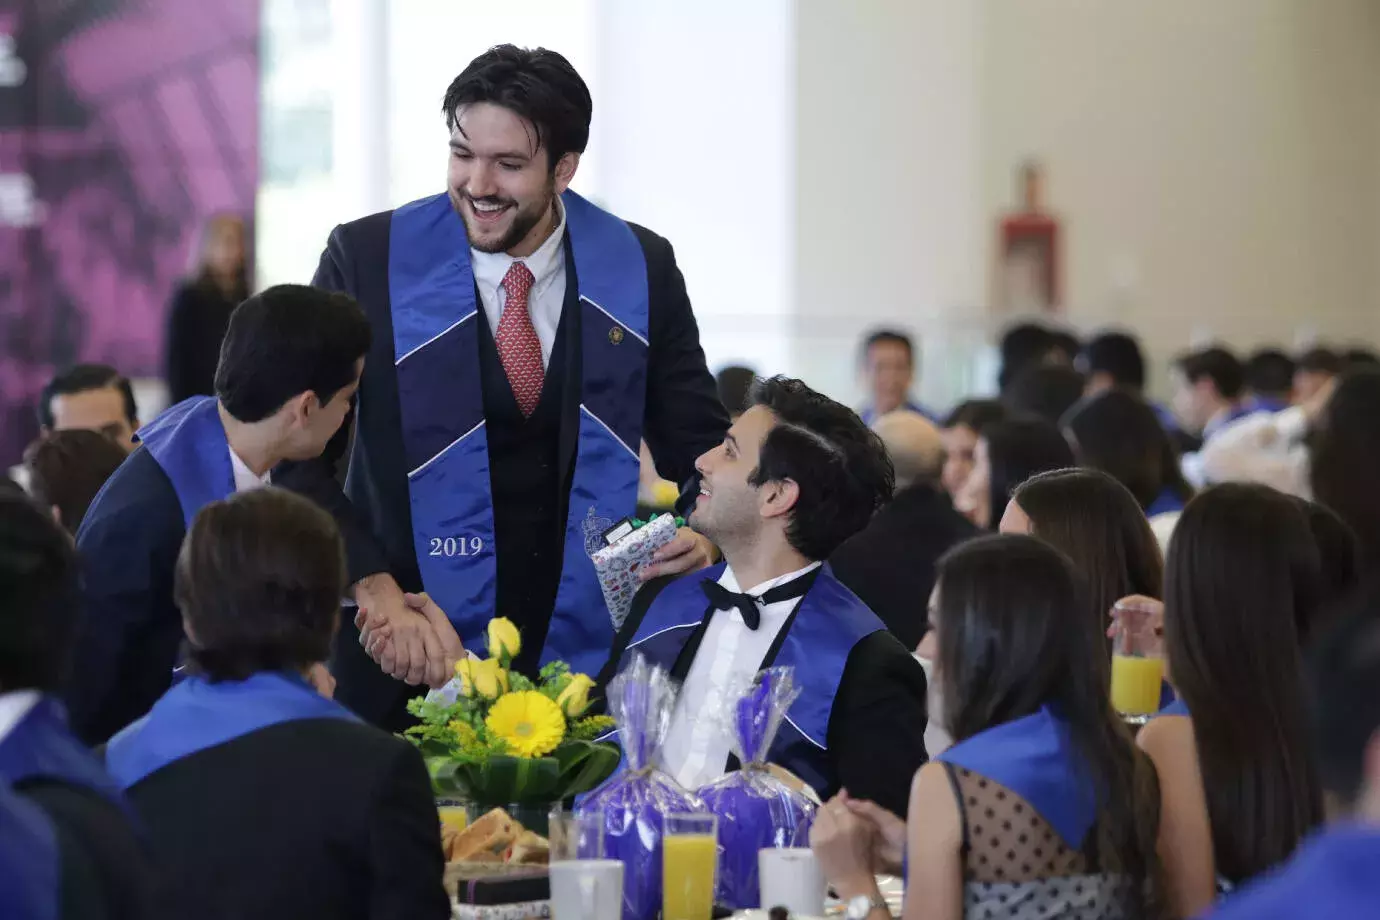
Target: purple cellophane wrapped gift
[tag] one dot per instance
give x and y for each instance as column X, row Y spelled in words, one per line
column 757, row 811
column 634, row 800
column 617, row 565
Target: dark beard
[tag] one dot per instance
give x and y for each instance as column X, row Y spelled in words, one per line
column 523, row 223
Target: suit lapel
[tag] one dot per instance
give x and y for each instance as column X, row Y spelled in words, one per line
column 572, row 382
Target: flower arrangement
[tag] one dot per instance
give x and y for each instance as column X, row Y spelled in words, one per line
column 492, row 737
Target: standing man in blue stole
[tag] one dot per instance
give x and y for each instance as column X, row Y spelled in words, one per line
column 796, row 475
column 93, row 862
column 1337, row 872
column 526, row 342
column 289, row 366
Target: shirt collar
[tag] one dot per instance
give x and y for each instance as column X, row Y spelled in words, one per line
column 730, row 581
column 245, row 478
column 491, row 267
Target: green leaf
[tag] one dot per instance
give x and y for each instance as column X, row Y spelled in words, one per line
column 584, row 765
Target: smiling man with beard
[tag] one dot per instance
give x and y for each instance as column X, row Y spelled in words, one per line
column 526, row 341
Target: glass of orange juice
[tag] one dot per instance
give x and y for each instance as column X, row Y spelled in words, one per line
column 453, row 813
column 1137, row 669
column 690, row 860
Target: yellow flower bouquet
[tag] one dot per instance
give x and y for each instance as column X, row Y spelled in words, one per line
column 494, row 738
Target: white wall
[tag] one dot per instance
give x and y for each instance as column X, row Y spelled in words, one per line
column 1216, row 164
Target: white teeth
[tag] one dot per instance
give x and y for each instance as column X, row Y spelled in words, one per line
column 487, row 207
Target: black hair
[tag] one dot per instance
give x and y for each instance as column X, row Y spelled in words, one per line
column 1269, row 372
column 1045, row 390
column 1340, row 556
column 537, row 85
column 1018, row 448
column 887, row 336
column 1344, row 446
column 1117, row 432
column 1118, row 355
column 1013, row 638
column 1097, row 522
column 1243, row 571
column 1021, row 346
column 1066, row 345
column 976, row 414
column 839, row 465
column 287, row 340
column 82, row 378
column 38, row 581
column 1218, row 365
column 1344, row 696
column 259, row 582
column 67, row 469
column 1319, row 360
column 735, row 384
column 1360, row 358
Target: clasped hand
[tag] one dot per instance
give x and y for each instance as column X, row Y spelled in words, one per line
column 409, row 636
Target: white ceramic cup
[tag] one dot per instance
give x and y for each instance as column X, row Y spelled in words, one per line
column 791, row 879
column 586, row 889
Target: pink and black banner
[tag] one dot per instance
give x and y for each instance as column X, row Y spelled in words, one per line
column 124, row 124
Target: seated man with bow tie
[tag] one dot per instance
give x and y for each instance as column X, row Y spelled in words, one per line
column 796, row 475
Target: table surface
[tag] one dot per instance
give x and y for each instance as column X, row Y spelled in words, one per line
column 892, row 890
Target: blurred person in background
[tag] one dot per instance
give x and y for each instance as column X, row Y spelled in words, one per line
column 1315, row 369
column 1047, row 391
column 1337, row 872
column 91, row 396
column 66, row 470
column 199, row 312
column 1269, row 377
column 890, row 563
column 1239, row 787
column 887, row 363
column 1025, row 345
column 1008, row 453
column 1341, row 569
column 735, row 385
column 1115, row 359
column 1208, row 390
column 40, row 759
column 962, row 428
column 1360, row 358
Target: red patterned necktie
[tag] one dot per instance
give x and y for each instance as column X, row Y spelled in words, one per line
column 518, row 346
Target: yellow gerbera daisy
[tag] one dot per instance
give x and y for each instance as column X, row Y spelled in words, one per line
column 528, row 722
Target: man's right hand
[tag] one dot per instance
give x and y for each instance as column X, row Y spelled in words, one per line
column 408, row 635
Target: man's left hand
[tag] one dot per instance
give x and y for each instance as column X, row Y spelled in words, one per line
column 688, row 552
column 845, row 845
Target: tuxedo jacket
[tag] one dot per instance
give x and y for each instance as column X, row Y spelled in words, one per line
column 876, row 731
column 130, row 630
column 683, row 419
column 327, row 818
column 890, row 563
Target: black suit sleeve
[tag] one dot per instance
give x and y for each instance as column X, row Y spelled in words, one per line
column 407, row 863
column 684, row 417
column 877, row 728
column 641, row 601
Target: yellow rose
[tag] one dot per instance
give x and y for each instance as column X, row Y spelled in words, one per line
column 464, row 669
column 490, row 680
column 574, row 699
column 503, row 638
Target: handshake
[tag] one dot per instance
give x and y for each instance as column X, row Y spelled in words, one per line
column 407, row 634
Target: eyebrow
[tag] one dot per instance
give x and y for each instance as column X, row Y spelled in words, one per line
column 729, row 437
column 505, row 155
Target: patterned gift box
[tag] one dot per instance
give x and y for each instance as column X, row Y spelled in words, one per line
column 618, row 564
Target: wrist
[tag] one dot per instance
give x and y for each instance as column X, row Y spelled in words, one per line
column 857, row 885
column 372, row 589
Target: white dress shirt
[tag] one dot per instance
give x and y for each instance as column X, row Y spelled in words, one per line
column 547, row 297
column 14, row 706
column 729, row 656
column 246, row 480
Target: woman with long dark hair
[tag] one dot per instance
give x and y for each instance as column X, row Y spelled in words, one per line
column 1008, row 453
column 1097, row 523
column 1344, row 452
column 1239, row 786
column 201, row 306
column 1043, row 807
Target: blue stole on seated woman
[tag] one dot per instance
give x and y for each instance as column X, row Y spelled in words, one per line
column 41, row 746
column 1333, row 874
column 30, row 867
column 436, row 312
column 1034, row 757
column 198, row 714
column 189, row 443
column 825, row 626
column 1166, row 502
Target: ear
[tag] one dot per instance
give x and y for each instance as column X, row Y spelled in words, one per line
column 565, row 171
column 302, row 407
column 188, row 631
column 779, row 498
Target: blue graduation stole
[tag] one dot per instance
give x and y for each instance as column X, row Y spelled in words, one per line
column 41, row 746
column 30, row 873
column 1164, row 503
column 189, row 443
column 1175, row 706
column 1034, row 757
column 197, row 714
column 436, row 312
column 829, row 622
column 1333, row 874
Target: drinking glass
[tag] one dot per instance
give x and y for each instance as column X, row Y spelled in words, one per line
column 1137, row 668
column 690, row 860
column 584, row 886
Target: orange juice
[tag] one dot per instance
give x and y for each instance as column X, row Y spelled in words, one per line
column 688, row 864
column 1136, row 684
column 453, row 816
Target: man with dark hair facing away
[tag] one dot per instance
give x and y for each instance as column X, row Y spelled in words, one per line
column 67, row 469
column 288, row 367
column 796, row 475
column 527, row 341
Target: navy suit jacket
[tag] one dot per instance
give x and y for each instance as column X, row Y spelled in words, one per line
column 130, row 631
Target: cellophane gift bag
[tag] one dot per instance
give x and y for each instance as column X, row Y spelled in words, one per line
column 756, row 810
column 634, row 800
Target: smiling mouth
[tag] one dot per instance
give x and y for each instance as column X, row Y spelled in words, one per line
column 487, row 212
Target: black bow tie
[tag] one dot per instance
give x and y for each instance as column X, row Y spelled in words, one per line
column 724, row 599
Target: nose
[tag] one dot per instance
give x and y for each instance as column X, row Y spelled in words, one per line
column 702, row 462
column 481, row 180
